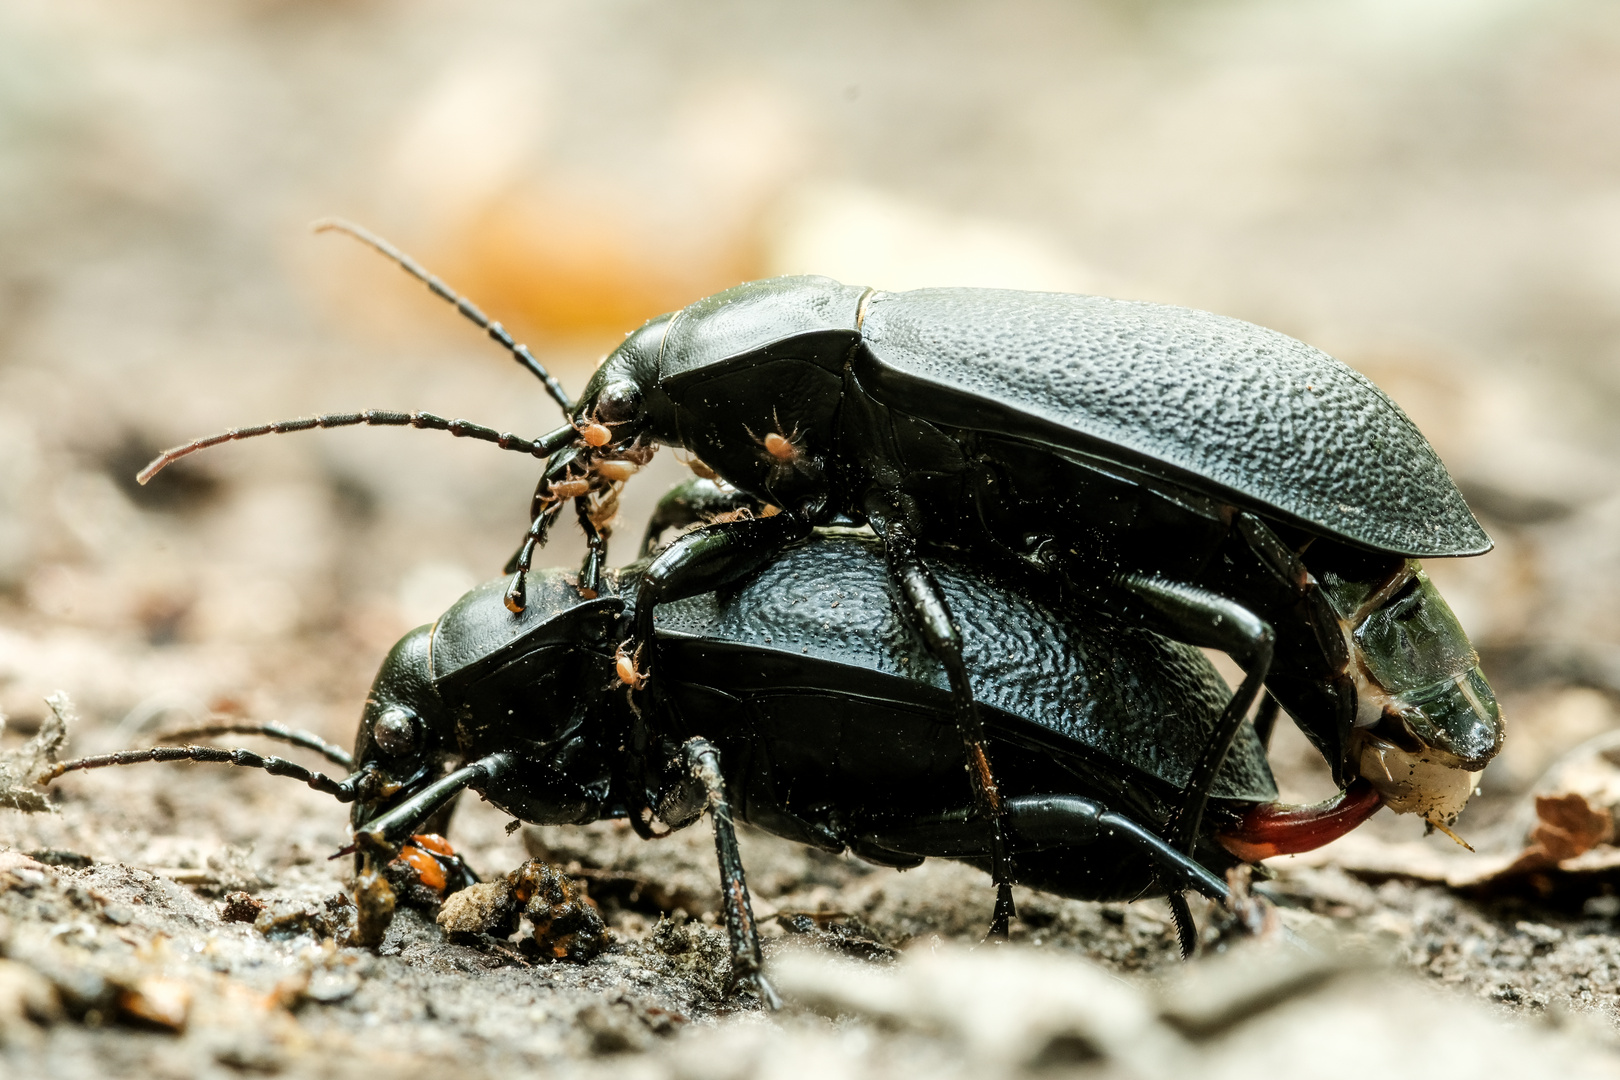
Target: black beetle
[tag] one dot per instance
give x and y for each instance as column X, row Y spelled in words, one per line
column 833, row 722
column 1217, row 481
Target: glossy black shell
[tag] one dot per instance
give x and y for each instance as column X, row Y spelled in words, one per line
column 1040, row 674
column 1239, row 412
column 821, row 617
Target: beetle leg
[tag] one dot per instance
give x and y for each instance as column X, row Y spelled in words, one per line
column 385, row 831
column 1199, row 617
column 590, row 573
column 520, row 563
column 1046, row 822
column 924, row 601
column 693, row 502
column 1186, row 929
column 706, row 559
column 1265, row 719
column 747, row 964
column 377, row 840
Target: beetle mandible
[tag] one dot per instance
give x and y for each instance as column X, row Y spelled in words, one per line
column 798, row 701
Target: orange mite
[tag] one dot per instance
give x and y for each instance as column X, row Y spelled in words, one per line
column 594, row 434
column 625, row 665
column 617, row 470
column 570, row 489
column 780, row 447
column 428, row 870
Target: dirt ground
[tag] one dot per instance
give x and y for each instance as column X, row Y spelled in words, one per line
column 1432, row 199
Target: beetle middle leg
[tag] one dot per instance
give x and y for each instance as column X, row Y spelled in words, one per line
column 702, row 763
column 922, row 598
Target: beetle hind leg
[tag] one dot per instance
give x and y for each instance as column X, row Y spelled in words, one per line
column 1204, row 618
column 1055, row 822
column 925, row 603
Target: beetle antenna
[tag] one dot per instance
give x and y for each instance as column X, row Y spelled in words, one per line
column 542, row 447
column 307, row 739
column 345, row 790
column 495, row 330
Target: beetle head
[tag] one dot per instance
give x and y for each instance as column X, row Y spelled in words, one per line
column 1426, row 720
column 405, row 731
column 623, row 394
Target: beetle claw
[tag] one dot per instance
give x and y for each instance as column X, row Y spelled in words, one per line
column 514, row 599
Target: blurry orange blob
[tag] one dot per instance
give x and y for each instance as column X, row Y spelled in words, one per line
column 572, row 268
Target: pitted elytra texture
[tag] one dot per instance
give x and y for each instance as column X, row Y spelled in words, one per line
column 1088, row 680
column 1229, row 406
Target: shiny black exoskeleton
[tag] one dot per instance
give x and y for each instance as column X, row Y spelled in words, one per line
column 1214, row 480
column 798, row 700
column 1219, row 482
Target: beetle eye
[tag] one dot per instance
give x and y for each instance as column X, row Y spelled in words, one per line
column 618, row 402
column 396, row 732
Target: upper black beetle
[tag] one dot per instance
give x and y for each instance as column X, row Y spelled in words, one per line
column 834, row 724
column 1220, row 482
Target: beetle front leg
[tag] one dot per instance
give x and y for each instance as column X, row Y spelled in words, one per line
column 694, row 502
column 925, row 603
column 590, row 571
column 747, row 963
column 704, row 560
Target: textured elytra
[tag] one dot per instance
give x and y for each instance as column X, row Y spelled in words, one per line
column 1124, row 692
column 1227, row 405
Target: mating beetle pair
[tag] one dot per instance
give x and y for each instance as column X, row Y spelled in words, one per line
column 800, row 702
column 1200, row 476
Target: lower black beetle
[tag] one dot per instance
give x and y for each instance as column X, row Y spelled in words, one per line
column 799, row 702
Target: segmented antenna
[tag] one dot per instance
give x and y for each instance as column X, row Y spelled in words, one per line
column 343, row 790
column 495, row 330
column 307, row 739
column 543, row 447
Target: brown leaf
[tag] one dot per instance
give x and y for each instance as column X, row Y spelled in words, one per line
column 1567, row 826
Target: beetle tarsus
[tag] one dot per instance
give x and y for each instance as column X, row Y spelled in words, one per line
column 590, row 572
column 1186, row 929
column 1005, row 913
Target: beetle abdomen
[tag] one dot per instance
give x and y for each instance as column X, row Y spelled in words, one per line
column 1237, row 410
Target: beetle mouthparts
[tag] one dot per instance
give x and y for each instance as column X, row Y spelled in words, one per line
column 1282, row 829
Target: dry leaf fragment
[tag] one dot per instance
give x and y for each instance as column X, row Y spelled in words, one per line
column 1567, row 826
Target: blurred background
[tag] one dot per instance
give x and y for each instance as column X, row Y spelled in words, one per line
column 1428, row 189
